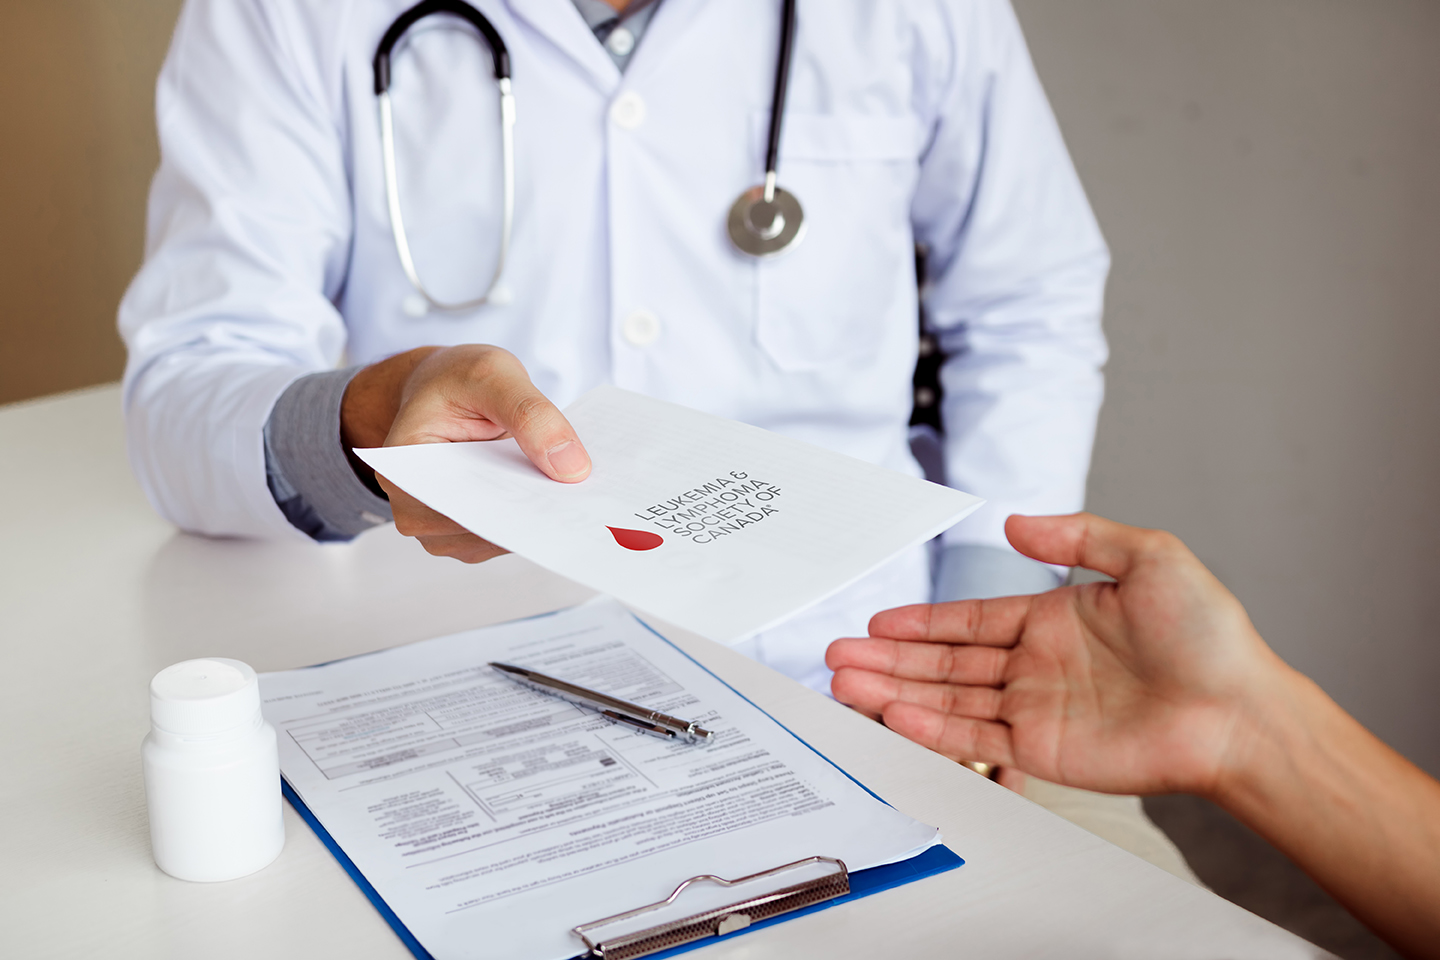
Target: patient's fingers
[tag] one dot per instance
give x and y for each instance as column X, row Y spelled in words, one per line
column 874, row 692
column 992, row 623
column 1012, row 779
column 959, row 738
column 909, row 660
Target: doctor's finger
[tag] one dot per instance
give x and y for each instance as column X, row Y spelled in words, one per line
column 437, row 533
column 991, row 623
column 910, row 660
column 876, row 691
column 465, row 547
column 959, row 738
column 415, row 519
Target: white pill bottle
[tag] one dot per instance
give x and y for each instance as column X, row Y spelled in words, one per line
column 212, row 772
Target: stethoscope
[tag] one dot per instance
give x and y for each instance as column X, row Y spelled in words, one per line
column 764, row 221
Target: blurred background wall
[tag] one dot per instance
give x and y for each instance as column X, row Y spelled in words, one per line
column 77, row 149
column 1267, row 173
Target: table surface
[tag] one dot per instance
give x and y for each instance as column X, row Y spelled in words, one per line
column 97, row 594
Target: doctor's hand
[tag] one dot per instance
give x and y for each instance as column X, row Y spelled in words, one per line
column 1146, row 685
column 452, row 394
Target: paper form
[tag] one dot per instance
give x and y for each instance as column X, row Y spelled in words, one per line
column 493, row 818
column 715, row 526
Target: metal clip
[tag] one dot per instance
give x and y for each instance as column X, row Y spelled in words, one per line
column 719, row 921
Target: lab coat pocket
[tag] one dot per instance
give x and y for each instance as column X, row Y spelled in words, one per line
column 834, row 297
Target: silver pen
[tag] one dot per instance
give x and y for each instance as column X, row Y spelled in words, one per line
column 621, row 711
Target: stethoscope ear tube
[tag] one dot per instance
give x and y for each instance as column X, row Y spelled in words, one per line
column 496, row 292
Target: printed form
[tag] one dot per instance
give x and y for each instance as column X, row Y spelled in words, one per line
column 718, row 527
column 493, row 818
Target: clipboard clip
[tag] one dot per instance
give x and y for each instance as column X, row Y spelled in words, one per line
column 716, row 922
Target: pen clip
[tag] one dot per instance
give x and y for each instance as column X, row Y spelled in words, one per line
column 643, row 726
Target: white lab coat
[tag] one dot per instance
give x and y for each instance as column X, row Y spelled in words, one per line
column 269, row 253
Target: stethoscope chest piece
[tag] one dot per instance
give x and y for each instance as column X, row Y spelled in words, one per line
column 765, row 228
column 765, row 221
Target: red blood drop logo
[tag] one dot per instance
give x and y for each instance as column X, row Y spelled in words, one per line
column 636, row 539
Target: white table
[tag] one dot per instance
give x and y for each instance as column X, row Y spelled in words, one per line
column 97, row 594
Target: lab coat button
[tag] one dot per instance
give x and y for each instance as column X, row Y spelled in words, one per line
column 628, row 110
column 620, row 41
column 641, row 328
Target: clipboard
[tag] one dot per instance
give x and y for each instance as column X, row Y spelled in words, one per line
column 688, row 930
column 936, row 860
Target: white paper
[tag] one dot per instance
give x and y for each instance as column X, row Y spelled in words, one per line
column 754, row 527
column 492, row 818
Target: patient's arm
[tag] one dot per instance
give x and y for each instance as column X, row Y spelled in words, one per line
column 1159, row 683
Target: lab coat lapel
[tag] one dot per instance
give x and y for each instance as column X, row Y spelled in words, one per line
column 561, row 24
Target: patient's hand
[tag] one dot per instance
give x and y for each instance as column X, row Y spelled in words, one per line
column 1140, row 686
column 1159, row 683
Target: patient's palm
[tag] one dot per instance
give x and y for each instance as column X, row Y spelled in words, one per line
column 1128, row 689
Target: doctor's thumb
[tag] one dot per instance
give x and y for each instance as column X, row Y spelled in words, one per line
column 548, row 439
column 567, row 461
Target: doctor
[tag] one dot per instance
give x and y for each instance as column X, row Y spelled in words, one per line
column 276, row 323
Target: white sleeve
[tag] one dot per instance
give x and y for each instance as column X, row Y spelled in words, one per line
column 1016, row 276
column 248, row 232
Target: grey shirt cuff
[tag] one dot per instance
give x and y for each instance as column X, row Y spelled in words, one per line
column 973, row 572
column 306, row 464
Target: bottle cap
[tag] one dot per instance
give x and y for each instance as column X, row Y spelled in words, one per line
column 204, row 697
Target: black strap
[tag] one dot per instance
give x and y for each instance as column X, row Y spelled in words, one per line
column 929, row 393
column 459, row 8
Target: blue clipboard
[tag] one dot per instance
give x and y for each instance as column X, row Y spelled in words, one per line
column 937, row 859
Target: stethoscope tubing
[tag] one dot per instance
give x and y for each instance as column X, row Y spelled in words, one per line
column 500, row 59
column 777, row 99
column 507, row 215
column 499, row 53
